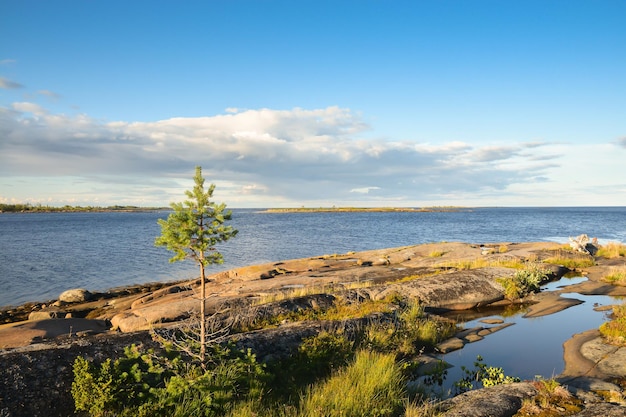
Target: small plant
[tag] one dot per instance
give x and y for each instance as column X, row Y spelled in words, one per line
column 614, row 331
column 523, row 282
column 483, row 375
column 617, row 275
column 436, row 254
column 503, row 249
column 552, row 399
column 408, row 333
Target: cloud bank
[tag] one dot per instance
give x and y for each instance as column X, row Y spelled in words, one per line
column 258, row 157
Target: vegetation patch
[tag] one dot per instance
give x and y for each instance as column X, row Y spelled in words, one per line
column 523, row 282
column 502, row 262
column 370, row 386
column 616, row 275
column 612, row 250
column 614, row 331
column 482, row 375
column 552, row 399
column 570, row 259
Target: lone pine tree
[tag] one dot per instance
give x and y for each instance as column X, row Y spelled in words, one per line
column 192, row 231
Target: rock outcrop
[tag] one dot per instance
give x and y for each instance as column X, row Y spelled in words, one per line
column 37, row 356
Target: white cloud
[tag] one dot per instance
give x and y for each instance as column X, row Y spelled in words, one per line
column 265, row 157
column 364, row 190
column 9, row 85
column 27, row 107
column 49, row 94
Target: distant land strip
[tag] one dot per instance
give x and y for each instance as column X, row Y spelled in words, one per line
column 29, row 208
column 366, row 209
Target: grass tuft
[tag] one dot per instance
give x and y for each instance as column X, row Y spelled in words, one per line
column 569, row 259
column 614, row 331
column 612, row 250
column 371, row 386
column 617, row 275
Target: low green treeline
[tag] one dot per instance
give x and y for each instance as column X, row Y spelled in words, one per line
column 329, row 374
column 39, row 208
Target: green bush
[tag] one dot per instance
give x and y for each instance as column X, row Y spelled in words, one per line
column 138, row 385
column 523, row 282
column 112, row 386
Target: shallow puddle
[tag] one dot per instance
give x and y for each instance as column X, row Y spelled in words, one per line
column 532, row 346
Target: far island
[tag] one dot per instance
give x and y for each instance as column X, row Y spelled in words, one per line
column 366, row 209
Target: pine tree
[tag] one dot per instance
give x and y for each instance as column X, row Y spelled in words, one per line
column 192, row 231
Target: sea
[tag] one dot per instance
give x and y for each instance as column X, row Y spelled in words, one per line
column 44, row 254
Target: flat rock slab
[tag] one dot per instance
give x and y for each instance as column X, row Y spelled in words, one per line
column 609, row 359
column 498, row 401
column 24, row 333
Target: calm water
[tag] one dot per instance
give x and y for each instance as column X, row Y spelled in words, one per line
column 42, row 255
column 532, row 346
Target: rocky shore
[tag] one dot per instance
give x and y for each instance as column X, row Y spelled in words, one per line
column 38, row 342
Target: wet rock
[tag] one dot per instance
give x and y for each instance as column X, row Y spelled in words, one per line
column 454, row 343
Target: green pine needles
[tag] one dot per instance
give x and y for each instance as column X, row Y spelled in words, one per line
column 192, row 231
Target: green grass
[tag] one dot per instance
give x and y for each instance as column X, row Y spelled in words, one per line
column 612, row 250
column 484, row 263
column 569, row 259
column 614, row 331
column 616, row 275
column 371, row 386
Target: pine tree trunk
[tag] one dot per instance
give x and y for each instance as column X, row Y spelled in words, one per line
column 202, row 316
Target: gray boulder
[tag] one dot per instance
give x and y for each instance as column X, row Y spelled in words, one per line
column 76, row 295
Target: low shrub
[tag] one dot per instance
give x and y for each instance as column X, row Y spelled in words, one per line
column 139, row 385
column 482, row 375
column 523, row 282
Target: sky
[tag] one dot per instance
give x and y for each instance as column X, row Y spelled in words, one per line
column 314, row 103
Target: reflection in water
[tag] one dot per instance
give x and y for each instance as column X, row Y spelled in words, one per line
column 532, row 346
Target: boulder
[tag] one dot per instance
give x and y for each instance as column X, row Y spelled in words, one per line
column 498, row 401
column 76, row 295
column 44, row 315
column 128, row 322
column 459, row 290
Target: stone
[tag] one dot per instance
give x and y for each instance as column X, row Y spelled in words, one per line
column 128, row 322
column 498, row 401
column 471, row 338
column 603, row 410
column 76, row 295
column 454, row 343
column 492, row 321
column 44, row 315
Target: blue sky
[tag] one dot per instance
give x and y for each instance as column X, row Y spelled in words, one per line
column 314, row 103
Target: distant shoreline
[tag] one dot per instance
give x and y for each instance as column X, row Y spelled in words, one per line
column 366, row 209
column 26, row 208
